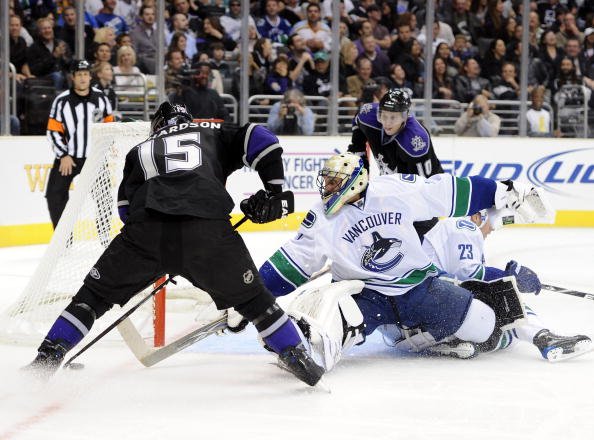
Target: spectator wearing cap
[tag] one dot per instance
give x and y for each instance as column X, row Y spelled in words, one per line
column 318, row 82
column 48, row 56
column 379, row 31
column 272, row 25
column 231, row 21
column 315, row 32
column 107, row 18
column 68, row 130
column 202, row 101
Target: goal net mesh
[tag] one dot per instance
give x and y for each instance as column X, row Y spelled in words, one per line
column 88, row 224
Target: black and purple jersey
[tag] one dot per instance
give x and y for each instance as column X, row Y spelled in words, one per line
column 182, row 169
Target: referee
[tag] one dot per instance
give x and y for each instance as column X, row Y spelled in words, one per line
column 68, row 130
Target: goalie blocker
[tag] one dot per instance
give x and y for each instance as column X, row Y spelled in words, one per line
column 332, row 321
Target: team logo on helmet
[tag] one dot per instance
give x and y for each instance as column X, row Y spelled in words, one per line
column 373, row 258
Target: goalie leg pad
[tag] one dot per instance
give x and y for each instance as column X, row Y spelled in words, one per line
column 331, row 320
column 502, row 296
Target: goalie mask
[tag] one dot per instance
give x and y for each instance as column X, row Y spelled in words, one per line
column 394, row 108
column 343, row 177
column 169, row 114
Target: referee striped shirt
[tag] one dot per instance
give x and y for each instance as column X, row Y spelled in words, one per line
column 70, row 119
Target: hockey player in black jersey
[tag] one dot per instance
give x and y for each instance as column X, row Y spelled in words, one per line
column 175, row 210
column 399, row 143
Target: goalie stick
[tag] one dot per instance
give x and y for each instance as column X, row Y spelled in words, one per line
column 565, row 291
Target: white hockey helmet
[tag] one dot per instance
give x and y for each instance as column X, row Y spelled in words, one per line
column 343, row 177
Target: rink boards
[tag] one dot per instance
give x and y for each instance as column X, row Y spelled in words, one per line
column 564, row 167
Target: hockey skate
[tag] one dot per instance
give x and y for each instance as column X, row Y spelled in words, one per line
column 48, row 360
column 297, row 361
column 455, row 348
column 555, row 348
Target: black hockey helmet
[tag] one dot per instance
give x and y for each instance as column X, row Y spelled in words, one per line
column 78, row 65
column 169, row 114
column 395, row 100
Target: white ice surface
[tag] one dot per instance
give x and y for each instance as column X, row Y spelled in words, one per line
column 229, row 388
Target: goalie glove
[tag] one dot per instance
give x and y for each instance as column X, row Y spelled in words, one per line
column 528, row 201
column 526, row 279
column 264, row 206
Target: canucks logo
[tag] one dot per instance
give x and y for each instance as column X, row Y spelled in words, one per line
column 374, row 258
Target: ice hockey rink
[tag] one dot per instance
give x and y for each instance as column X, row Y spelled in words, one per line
column 228, row 387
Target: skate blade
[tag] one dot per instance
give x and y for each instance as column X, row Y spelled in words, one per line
column 580, row 348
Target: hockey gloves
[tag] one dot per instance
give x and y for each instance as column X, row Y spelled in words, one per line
column 526, row 279
column 264, row 206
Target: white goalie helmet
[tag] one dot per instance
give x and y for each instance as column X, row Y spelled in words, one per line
column 343, row 177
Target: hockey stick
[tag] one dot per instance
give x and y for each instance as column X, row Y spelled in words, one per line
column 149, row 356
column 120, row 319
column 565, row 291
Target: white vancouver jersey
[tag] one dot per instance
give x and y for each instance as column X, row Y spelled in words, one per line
column 456, row 246
column 374, row 240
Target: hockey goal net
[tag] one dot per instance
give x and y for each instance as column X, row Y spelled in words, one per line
column 88, row 224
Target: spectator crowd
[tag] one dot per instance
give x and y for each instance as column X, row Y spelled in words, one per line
column 476, row 48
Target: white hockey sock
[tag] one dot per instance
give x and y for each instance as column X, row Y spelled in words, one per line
column 527, row 331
